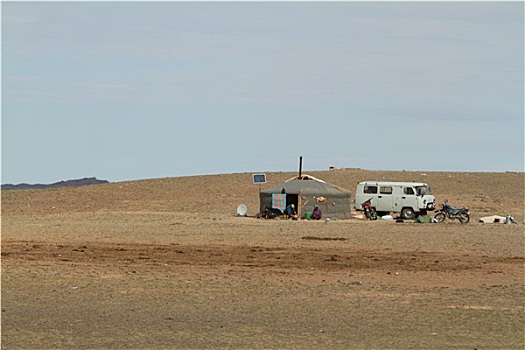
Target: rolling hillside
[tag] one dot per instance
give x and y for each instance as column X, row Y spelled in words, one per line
column 484, row 193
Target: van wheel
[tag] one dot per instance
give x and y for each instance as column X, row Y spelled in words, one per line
column 408, row 214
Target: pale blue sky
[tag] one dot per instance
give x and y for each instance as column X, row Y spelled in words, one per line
column 132, row 90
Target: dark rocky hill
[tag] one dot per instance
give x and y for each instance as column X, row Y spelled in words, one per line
column 69, row 183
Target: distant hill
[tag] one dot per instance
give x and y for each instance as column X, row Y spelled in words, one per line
column 484, row 193
column 69, row 183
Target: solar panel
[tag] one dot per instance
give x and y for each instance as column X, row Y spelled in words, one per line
column 259, row 178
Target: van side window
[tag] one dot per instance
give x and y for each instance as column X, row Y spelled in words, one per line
column 408, row 190
column 370, row 189
column 422, row 190
column 386, row 190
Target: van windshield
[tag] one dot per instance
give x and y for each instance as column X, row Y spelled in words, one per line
column 423, row 190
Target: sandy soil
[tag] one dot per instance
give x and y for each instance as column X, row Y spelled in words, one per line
column 165, row 263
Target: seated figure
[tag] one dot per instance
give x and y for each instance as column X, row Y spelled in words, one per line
column 290, row 212
column 317, row 214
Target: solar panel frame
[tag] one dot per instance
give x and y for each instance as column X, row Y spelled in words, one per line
column 259, row 178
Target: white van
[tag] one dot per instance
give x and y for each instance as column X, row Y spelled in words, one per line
column 407, row 198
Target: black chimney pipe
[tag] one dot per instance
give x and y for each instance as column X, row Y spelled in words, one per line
column 300, row 166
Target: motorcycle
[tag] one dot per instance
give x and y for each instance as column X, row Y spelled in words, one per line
column 448, row 211
column 370, row 210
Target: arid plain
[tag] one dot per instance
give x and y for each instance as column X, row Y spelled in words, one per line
column 167, row 264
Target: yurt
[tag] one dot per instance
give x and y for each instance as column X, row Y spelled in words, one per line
column 305, row 191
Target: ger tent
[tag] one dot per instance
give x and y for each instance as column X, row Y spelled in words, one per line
column 305, row 192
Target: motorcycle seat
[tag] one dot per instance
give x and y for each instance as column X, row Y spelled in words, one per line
column 456, row 209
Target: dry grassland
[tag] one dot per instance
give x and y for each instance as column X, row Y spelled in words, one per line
column 165, row 263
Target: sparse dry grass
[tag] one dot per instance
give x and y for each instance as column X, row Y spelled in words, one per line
column 166, row 264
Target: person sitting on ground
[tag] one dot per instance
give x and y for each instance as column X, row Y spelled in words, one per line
column 290, row 212
column 317, row 214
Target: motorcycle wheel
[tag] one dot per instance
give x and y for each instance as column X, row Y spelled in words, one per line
column 464, row 218
column 439, row 217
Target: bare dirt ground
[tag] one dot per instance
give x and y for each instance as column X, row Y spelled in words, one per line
column 165, row 263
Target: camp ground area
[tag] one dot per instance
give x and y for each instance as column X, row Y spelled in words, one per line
column 169, row 264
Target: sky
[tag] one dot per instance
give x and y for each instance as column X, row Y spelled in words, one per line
column 135, row 90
